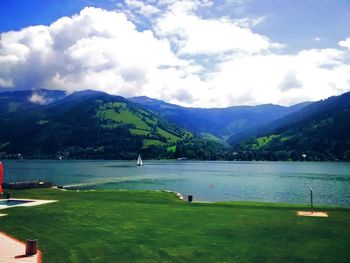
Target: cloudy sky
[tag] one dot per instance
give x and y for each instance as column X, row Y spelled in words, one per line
column 201, row 53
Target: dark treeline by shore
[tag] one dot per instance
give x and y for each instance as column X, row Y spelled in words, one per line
column 196, row 149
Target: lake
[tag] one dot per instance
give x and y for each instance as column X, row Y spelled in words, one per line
column 287, row 182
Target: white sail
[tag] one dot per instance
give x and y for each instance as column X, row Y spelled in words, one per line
column 139, row 161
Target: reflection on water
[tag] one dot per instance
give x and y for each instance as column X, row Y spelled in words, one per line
column 208, row 181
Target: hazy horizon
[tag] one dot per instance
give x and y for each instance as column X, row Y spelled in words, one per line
column 39, row 98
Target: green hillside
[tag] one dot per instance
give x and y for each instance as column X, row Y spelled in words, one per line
column 86, row 125
column 321, row 132
column 139, row 122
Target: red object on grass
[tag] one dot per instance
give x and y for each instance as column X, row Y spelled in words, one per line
column 1, row 176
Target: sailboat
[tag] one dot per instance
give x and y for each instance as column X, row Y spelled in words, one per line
column 139, row 161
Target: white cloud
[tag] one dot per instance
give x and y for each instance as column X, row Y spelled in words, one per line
column 345, row 43
column 290, row 81
column 194, row 35
column 281, row 79
column 249, row 22
column 96, row 49
column 183, row 58
column 38, row 98
column 141, row 8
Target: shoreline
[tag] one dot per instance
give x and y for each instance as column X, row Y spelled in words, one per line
column 174, row 159
column 181, row 197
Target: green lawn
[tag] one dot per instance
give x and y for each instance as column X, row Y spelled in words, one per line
column 140, row 226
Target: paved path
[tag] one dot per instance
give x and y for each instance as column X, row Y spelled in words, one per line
column 13, row 251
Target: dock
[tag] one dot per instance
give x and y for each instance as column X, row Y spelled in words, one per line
column 26, row 185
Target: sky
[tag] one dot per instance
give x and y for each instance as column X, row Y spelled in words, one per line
column 198, row 53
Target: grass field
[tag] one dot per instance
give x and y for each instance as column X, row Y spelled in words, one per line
column 126, row 117
column 139, row 132
column 140, row 226
column 262, row 141
column 172, row 149
column 170, row 137
column 149, row 142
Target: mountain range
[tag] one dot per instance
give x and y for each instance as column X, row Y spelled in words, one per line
column 319, row 131
column 93, row 125
column 221, row 122
column 87, row 124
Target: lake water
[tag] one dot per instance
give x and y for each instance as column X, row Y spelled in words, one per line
column 287, row 182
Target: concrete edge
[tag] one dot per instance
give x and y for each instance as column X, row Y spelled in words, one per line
column 33, row 202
